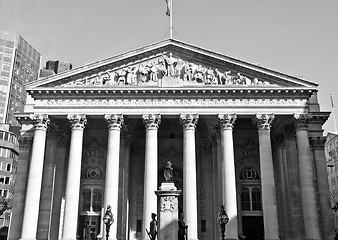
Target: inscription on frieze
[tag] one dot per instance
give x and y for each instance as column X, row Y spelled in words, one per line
column 197, row 103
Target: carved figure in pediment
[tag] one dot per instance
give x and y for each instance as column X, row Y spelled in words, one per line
column 228, row 78
column 243, row 79
column 210, row 77
column 220, row 77
column 111, row 79
column 104, row 77
column 188, row 72
column 199, row 74
column 120, row 76
column 170, row 64
column 131, row 75
column 143, row 72
column 152, row 70
column 179, row 68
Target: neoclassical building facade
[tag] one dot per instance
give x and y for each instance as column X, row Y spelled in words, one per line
column 237, row 135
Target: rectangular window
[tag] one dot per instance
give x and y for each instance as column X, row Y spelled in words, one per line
column 9, row 167
column 203, row 226
column 6, row 180
column 2, row 179
column 86, row 194
column 139, row 226
column 97, row 200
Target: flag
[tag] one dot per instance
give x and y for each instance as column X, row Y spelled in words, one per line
column 331, row 101
column 168, row 12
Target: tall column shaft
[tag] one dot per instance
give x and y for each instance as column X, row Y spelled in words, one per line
column 112, row 168
column 73, row 177
column 189, row 122
column 229, row 178
column 267, row 177
column 151, row 168
column 306, row 179
column 323, row 186
column 31, row 212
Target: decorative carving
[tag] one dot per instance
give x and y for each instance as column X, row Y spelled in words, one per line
column 263, row 121
column 152, row 121
column 189, row 121
column 302, row 121
column 249, row 150
column 318, row 142
column 115, row 121
column 168, row 203
column 162, row 66
column 41, row 121
column 78, row 121
column 227, row 121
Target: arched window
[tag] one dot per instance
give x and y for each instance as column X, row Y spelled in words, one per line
column 251, row 196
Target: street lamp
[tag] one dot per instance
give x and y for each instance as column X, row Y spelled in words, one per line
column 222, row 220
column 108, row 220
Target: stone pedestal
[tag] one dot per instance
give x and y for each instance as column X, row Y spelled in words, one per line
column 167, row 211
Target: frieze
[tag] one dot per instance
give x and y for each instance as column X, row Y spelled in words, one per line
column 197, row 103
column 165, row 66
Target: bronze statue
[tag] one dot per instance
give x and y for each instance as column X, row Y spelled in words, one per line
column 153, row 227
column 182, row 228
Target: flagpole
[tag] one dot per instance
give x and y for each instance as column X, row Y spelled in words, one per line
column 334, row 115
column 171, row 20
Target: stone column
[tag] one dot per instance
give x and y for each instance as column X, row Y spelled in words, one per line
column 323, row 186
column 229, row 179
column 270, row 217
column 189, row 122
column 295, row 204
column 78, row 122
column 306, row 178
column 152, row 122
column 111, row 195
column 31, row 212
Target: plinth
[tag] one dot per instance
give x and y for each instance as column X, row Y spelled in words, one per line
column 167, row 211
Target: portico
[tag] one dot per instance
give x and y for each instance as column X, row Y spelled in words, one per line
column 220, row 121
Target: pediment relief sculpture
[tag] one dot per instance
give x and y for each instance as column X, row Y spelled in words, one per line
column 162, row 68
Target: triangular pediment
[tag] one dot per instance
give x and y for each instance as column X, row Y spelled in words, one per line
column 169, row 63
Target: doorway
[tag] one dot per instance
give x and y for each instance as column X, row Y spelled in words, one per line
column 253, row 227
column 89, row 227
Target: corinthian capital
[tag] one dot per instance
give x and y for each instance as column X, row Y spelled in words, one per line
column 115, row 121
column 227, row 121
column 263, row 121
column 78, row 121
column 302, row 121
column 41, row 121
column 152, row 121
column 189, row 121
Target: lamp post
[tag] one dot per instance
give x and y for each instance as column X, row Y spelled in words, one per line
column 222, row 220
column 108, row 220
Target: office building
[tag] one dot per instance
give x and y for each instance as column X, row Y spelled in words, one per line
column 236, row 134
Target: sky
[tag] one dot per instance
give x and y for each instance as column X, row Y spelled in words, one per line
column 295, row 37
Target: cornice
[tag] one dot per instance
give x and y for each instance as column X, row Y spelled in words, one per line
column 92, row 92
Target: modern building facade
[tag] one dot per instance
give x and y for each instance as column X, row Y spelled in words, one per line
column 54, row 67
column 331, row 152
column 20, row 63
column 235, row 133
